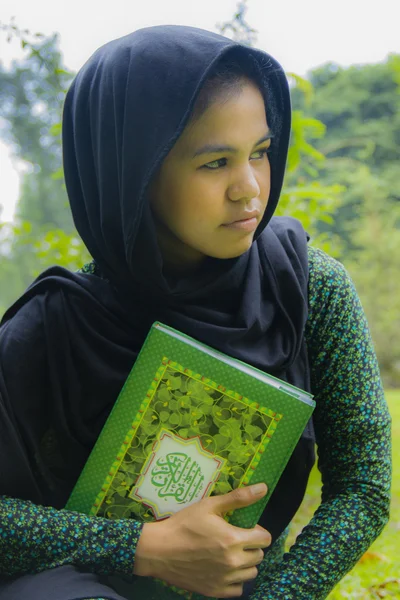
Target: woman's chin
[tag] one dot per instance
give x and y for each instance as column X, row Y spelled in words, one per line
column 226, row 252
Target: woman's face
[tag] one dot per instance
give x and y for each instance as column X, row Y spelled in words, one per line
column 213, row 187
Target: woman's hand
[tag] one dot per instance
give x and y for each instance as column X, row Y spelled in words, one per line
column 197, row 550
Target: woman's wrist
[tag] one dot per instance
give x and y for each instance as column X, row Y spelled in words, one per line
column 146, row 550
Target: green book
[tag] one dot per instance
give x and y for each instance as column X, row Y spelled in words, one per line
column 190, row 422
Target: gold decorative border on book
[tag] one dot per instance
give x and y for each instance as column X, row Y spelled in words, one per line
column 128, row 438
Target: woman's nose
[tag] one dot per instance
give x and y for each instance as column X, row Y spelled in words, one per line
column 245, row 186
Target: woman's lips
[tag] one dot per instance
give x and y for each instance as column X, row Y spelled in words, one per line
column 244, row 225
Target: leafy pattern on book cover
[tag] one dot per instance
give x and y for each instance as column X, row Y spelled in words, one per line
column 188, row 405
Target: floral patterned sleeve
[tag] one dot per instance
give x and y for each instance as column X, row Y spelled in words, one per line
column 352, row 427
column 34, row 538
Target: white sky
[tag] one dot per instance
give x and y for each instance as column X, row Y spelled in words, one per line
column 300, row 34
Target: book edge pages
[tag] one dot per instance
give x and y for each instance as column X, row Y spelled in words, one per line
column 240, row 366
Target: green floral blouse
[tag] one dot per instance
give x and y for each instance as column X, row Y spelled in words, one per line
column 352, row 427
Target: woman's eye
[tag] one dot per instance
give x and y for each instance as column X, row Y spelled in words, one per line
column 261, row 153
column 221, row 162
column 215, row 164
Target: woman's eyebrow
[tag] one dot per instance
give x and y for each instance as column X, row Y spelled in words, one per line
column 214, row 148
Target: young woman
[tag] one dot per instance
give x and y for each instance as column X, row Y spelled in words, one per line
column 175, row 143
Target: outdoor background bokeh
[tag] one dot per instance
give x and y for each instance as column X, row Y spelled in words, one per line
column 342, row 182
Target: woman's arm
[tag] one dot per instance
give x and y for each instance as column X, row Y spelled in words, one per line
column 352, row 427
column 35, row 538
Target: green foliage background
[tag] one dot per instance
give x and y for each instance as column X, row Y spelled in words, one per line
column 342, row 182
column 342, row 177
column 376, row 575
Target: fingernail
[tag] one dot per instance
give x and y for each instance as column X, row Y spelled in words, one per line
column 258, row 489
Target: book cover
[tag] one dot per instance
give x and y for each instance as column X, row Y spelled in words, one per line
column 188, row 423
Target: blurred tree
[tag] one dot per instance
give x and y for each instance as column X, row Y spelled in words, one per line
column 360, row 107
column 31, row 96
column 237, row 28
column 375, row 271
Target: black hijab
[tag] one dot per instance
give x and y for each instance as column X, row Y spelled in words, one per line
column 68, row 344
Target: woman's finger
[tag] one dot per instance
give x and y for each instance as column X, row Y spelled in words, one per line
column 242, row 575
column 252, row 558
column 232, row 591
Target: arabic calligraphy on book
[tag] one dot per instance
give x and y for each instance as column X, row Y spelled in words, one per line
column 177, row 473
column 179, row 476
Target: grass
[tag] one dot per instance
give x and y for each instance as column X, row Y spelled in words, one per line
column 377, row 574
